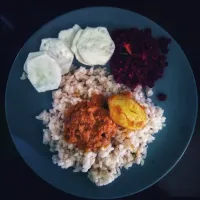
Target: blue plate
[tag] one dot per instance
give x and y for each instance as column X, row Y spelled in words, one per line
column 23, row 103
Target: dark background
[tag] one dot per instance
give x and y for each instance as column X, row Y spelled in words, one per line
column 20, row 19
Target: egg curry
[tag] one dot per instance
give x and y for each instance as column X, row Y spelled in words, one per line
column 126, row 112
column 88, row 124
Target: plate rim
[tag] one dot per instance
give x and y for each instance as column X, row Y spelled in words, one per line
column 193, row 79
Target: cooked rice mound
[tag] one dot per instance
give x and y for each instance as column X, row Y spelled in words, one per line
column 126, row 148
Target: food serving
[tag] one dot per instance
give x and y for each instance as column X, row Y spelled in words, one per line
column 146, row 130
column 100, row 122
column 82, row 134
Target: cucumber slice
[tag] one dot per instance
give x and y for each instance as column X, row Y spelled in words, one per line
column 44, row 73
column 68, row 35
column 59, row 51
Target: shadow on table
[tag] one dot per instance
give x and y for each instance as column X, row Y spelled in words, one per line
column 153, row 192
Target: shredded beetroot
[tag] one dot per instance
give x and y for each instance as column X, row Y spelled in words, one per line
column 128, row 48
column 161, row 96
column 139, row 58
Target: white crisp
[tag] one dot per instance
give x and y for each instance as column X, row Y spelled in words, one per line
column 59, row 51
column 43, row 72
column 74, row 47
column 68, row 35
column 95, row 46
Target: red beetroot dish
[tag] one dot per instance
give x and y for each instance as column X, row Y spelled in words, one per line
column 139, row 58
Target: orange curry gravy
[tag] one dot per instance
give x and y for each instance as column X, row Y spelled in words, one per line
column 88, row 125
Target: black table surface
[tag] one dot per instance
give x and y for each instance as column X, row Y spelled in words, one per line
column 20, row 19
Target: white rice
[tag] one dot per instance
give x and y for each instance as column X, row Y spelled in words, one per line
column 126, row 148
